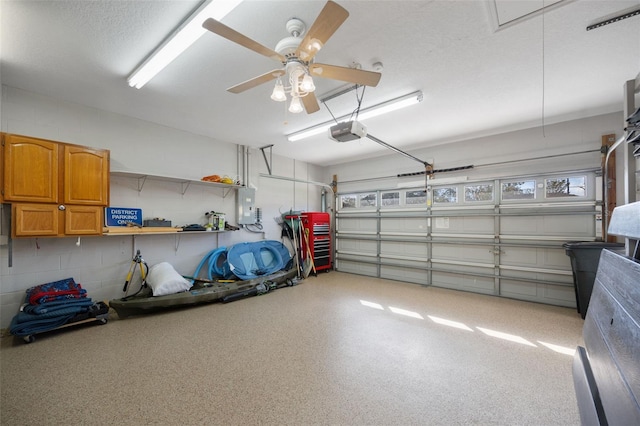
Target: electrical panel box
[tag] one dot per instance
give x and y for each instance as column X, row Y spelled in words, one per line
column 246, row 199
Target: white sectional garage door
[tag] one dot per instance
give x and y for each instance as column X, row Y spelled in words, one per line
column 500, row 237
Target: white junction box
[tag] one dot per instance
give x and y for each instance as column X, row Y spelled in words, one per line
column 246, row 199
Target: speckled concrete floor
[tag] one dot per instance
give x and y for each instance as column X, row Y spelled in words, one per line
column 337, row 349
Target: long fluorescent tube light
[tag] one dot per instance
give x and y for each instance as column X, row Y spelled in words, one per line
column 184, row 36
column 374, row 111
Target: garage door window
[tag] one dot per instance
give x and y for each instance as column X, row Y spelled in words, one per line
column 520, row 190
column 369, row 199
column 389, row 199
column 478, row 193
column 561, row 187
column 416, row 198
column 348, row 201
column 447, row 195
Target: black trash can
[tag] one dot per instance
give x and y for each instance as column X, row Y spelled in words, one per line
column 585, row 257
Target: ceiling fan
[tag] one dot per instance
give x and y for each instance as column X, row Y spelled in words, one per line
column 296, row 55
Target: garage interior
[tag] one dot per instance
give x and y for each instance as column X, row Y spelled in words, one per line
column 450, row 298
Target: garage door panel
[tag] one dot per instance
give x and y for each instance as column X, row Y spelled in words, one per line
column 355, row 267
column 536, row 292
column 414, row 250
column 540, row 257
column 404, row 274
column 404, row 225
column 561, row 225
column 471, row 253
column 357, row 246
column 462, row 267
column 518, row 289
column 422, row 264
column 564, row 277
column 358, row 225
column 565, row 296
column 463, row 282
column 463, row 225
column 556, row 259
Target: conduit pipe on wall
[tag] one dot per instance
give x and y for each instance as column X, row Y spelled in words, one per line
column 323, row 200
column 323, row 196
column 605, row 184
column 310, row 182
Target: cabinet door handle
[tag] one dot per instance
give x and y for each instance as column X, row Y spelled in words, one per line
column 61, row 207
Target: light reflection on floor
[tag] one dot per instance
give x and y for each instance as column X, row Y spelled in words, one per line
column 558, row 348
column 405, row 312
column 450, row 323
column 506, row 336
column 372, row 305
column 459, row 325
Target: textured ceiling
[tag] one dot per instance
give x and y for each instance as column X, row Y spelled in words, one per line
column 476, row 79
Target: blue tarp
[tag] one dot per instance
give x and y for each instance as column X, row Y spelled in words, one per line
column 51, row 315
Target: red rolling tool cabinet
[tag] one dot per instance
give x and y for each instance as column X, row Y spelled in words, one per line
column 317, row 227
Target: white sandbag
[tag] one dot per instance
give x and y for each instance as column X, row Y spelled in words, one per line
column 163, row 280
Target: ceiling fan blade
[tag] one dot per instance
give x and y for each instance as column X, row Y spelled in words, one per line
column 329, row 20
column 222, row 30
column 351, row 75
column 256, row 81
column 310, row 103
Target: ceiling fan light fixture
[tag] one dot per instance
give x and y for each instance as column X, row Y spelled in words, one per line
column 296, row 105
column 278, row 93
column 315, row 45
column 311, row 49
column 184, row 36
column 307, row 84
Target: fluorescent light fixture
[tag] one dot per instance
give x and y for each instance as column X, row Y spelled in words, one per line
column 374, row 111
column 184, row 36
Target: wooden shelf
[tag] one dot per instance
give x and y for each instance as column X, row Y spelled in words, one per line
column 150, row 230
column 184, row 182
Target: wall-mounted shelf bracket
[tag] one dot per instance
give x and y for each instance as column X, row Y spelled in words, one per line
column 264, row 155
column 185, row 186
column 141, row 181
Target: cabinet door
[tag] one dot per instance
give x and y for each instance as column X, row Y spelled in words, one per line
column 30, row 170
column 35, row 220
column 86, row 176
column 83, row 220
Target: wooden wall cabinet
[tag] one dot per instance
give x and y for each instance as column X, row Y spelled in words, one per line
column 30, row 169
column 55, row 188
